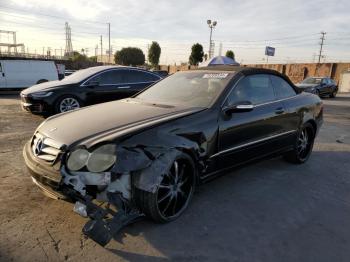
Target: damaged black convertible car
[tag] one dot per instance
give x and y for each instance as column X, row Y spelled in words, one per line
column 145, row 155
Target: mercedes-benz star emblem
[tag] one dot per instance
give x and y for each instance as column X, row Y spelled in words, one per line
column 38, row 147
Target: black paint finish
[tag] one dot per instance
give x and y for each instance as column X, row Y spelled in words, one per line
column 90, row 88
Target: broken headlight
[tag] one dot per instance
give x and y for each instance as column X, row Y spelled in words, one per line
column 77, row 159
column 99, row 160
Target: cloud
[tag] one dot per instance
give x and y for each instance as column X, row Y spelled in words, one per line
column 178, row 24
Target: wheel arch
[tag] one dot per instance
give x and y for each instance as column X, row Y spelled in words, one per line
column 43, row 80
column 313, row 123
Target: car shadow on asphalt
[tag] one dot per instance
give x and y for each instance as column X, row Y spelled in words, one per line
column 272, row 210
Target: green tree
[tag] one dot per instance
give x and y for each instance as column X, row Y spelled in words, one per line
column 78, row 57
column 205, row 57
column 129, row 56
column 196, row 54
column 230, row 54
column 93, row 58
column 154, row 53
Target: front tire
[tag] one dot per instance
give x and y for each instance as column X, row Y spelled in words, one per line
column 174, row 192
column 333, row 94
column 303, row 145
column 67, row 103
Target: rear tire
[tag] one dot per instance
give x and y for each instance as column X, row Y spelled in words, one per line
column 303, row 145
column 174, row 192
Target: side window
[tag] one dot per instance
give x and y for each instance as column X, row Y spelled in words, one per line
column 109, row 78
column 282, row 88
column 135, row 76
column 256, row 89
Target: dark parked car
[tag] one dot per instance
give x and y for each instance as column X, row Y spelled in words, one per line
column 145, row 155
column 86, row 87
column 321, row 86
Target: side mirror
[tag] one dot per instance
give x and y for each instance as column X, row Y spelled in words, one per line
column 93, row 84
column 243, row 106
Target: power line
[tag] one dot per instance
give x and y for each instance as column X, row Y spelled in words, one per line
column 51, row 16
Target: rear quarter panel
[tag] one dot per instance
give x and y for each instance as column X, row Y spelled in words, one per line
column 304, row 107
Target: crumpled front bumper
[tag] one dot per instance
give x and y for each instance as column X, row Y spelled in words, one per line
column 44, row 176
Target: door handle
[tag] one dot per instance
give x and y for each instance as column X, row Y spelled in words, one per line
column 279, row 111
column 123, row 87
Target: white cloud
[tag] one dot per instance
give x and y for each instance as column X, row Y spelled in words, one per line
column 178, row 24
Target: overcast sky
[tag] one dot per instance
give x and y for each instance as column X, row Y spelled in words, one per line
column 246, row 27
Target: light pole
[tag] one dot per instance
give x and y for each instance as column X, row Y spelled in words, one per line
column 211, row 26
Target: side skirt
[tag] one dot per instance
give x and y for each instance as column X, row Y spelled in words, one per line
column 210, row 176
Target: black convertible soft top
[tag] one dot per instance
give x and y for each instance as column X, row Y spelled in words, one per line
column 249, row 71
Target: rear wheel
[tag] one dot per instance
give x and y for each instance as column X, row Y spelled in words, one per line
column 173, row 194
column 303, row 146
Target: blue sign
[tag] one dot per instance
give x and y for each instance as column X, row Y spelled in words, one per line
column 270, row 51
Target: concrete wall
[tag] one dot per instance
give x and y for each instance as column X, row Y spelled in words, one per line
column 296, row 72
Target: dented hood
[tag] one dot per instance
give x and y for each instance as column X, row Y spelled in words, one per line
column 111, row 120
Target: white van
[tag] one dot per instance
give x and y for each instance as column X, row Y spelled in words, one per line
column 18, row 74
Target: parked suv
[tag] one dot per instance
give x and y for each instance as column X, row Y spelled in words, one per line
column 321, row 86
column 86, row 87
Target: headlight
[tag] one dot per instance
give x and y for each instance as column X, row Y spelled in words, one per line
column 41, row 94
column 102, row 158
column 98, row 160
column 77, row 159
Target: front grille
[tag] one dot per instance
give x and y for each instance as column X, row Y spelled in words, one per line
column 46, row 148
column 36, row 108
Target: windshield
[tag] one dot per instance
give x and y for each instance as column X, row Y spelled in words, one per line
column 193, row 88
column 80, row 75
column 312, row 80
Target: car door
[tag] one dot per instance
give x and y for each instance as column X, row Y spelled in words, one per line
column 330, row 86
column 251, row 134
column 2, row 75
column 286, row 94
column 105, row 86
column 324, row 86
column 137, row 80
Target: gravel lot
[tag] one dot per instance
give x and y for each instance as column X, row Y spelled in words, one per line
column 270, row 211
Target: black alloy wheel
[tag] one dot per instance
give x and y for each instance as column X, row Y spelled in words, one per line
column 175, row 190
column 304, row 145
column 173, row 194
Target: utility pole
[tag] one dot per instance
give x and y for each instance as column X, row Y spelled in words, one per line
column 101, row 48
column 321, row 46
column 109, row 43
